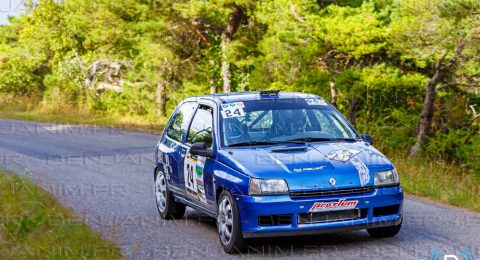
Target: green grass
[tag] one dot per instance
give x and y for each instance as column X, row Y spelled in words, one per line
column 64, row 114
column 439, row 181
column 33, row 225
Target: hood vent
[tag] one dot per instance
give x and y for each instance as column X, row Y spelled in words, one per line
column 289, row 150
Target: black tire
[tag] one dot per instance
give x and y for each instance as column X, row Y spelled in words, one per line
column 236, row 243
column 171, row 209
column 384, row 232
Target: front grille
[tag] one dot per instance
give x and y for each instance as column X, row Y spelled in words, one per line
column 324, row 193
column 329, row 216
column 275, row 220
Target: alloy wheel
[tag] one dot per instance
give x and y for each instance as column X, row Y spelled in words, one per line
column 161, row 191
column 225, row 220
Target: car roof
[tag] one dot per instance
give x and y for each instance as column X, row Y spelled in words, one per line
column 248, row 96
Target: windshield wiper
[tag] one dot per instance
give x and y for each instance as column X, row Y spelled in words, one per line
column 321, row 139
column 254, row 143
column 302, row 140
column 346, row 139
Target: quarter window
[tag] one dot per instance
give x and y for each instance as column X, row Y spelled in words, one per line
column 201, row 128
column 178, row 126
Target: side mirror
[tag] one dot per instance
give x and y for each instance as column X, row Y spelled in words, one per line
column 367, row 138
column 201, row 149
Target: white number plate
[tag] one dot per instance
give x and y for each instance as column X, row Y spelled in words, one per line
column 233, row 110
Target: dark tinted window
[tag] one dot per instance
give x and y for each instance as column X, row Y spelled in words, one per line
column 201, row 128
column 178, row 126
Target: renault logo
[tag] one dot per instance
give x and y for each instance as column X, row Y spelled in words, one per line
column 332, row 181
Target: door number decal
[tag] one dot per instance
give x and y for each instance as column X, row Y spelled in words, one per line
column 193, row 174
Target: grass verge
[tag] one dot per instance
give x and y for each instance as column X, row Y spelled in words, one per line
column 436, row 180
column 64, row 114
column 33, row 225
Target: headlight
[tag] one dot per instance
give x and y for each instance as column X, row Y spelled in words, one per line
column 268, row 187
column 386, row 178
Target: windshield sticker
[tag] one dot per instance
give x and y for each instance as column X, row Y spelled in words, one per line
column 341, row 204
column 343, row 155
column 363, row 171
column 316, row 101
column 233, row 110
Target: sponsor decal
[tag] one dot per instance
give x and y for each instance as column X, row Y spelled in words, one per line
column 318, row 168
column 193, row 175
column 342, row 155
column 316, row 101
column 235, row 109
column 341, row 204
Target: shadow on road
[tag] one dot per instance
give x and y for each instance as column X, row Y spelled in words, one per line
column 327, row 245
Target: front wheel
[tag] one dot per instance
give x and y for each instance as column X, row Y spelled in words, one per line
column 166, row 204
column 228, row 224
column 383, row 232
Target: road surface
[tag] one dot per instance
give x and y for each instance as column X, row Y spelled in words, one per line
column 105, row 175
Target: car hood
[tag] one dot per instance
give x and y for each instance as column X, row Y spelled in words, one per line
column 313, row 166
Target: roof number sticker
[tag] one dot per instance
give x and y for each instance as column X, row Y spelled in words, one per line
column 233, row 110
column 316, row 101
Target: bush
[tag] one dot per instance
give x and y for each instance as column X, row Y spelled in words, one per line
column 457, row 145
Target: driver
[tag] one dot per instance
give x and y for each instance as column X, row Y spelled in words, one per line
column 289, row 122
column 234, row 132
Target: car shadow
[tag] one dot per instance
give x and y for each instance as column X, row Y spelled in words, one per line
column 325, row 245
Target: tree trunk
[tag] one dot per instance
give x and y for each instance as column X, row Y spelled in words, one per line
column 225, row 66
column 352, row 111
column 234, row 19
column 424, row 128
column 213, row 88
column 333, row 92
column 425, row 124
column 161, row 99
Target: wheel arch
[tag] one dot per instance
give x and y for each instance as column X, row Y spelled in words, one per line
column 219, row 191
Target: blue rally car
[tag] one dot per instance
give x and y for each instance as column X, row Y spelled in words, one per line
column 274, row 163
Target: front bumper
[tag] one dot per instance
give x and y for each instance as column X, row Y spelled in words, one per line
column 251, row 207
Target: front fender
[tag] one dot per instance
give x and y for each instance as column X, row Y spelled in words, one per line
column 232, row 180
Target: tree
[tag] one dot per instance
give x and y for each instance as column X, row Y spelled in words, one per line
column 223, row 19
column 428, row 37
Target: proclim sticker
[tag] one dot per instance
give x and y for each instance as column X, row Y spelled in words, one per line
column 316, row 101
column 341, row 204
column 232, row 110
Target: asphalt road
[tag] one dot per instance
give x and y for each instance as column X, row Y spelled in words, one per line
column 105, row 175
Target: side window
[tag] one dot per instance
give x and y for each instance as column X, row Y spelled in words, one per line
column 178, row 126
column 201, row 128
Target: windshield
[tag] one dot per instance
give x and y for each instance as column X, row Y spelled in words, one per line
column 279, row 120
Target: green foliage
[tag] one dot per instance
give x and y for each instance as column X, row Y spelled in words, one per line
column 459, row 145
column 17, row 75
column 356, row 31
